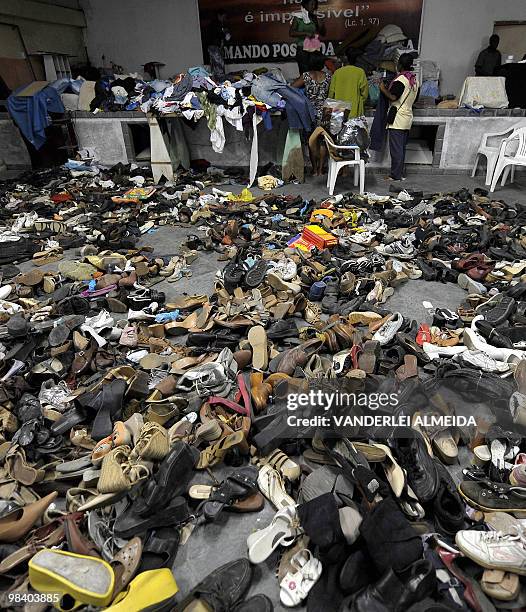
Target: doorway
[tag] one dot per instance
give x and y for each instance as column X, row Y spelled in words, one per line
column 512, row 40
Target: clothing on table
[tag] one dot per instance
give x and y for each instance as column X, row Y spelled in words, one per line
column 397, row 147
column 487, row 62
column 31, row 113
column 317, row 92
column 350, row 85
column 407, row 95
column 271, row 87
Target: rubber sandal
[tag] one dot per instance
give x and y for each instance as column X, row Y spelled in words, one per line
column 283, row 530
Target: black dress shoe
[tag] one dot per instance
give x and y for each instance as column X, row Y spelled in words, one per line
column 397, row 592
column 492, row 335
column 170, row 480
column 412, row 454
column 221, row 590
column 130, row 523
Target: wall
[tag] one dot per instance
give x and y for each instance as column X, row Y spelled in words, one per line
column 47, row 27
column 134, row 32
column 455, row 31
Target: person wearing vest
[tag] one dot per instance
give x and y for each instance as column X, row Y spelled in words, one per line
column 402, row 94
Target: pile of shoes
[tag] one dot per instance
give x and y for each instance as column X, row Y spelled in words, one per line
column 131, row 416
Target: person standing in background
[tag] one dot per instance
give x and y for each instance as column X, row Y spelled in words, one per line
column 218, row 35
column 316, row 83
column 489, row 59
column 305, row 25
column 349, row 84
column 402, row 94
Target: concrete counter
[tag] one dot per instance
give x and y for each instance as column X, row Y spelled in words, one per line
column 456, row 137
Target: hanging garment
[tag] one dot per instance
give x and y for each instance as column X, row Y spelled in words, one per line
column 293, row 163
column 379, row 126
column 31, row 113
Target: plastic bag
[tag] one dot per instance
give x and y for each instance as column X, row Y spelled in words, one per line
column 354, row 132
column 374, row 94
column 336, row 122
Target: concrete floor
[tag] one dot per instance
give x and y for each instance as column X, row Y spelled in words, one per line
column 211, row 545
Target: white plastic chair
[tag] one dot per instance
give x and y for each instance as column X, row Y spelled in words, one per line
column 335, row 165
column 490, row 152
column 508, row 161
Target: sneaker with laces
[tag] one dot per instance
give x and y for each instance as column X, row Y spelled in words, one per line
column 388, row 330
column 495, row 550
column 401, row 249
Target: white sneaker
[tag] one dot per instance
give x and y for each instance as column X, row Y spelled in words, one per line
column 388, row 330
column 484, row 362
column 473, row 340
column 377, row 227
column 401, row 249
column 285, row 268
column 494, row 550
column 364, row 238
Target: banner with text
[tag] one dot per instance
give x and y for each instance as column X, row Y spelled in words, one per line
column 259, row 29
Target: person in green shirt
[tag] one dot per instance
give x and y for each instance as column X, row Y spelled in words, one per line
column 304, row 25
column 349, row 84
